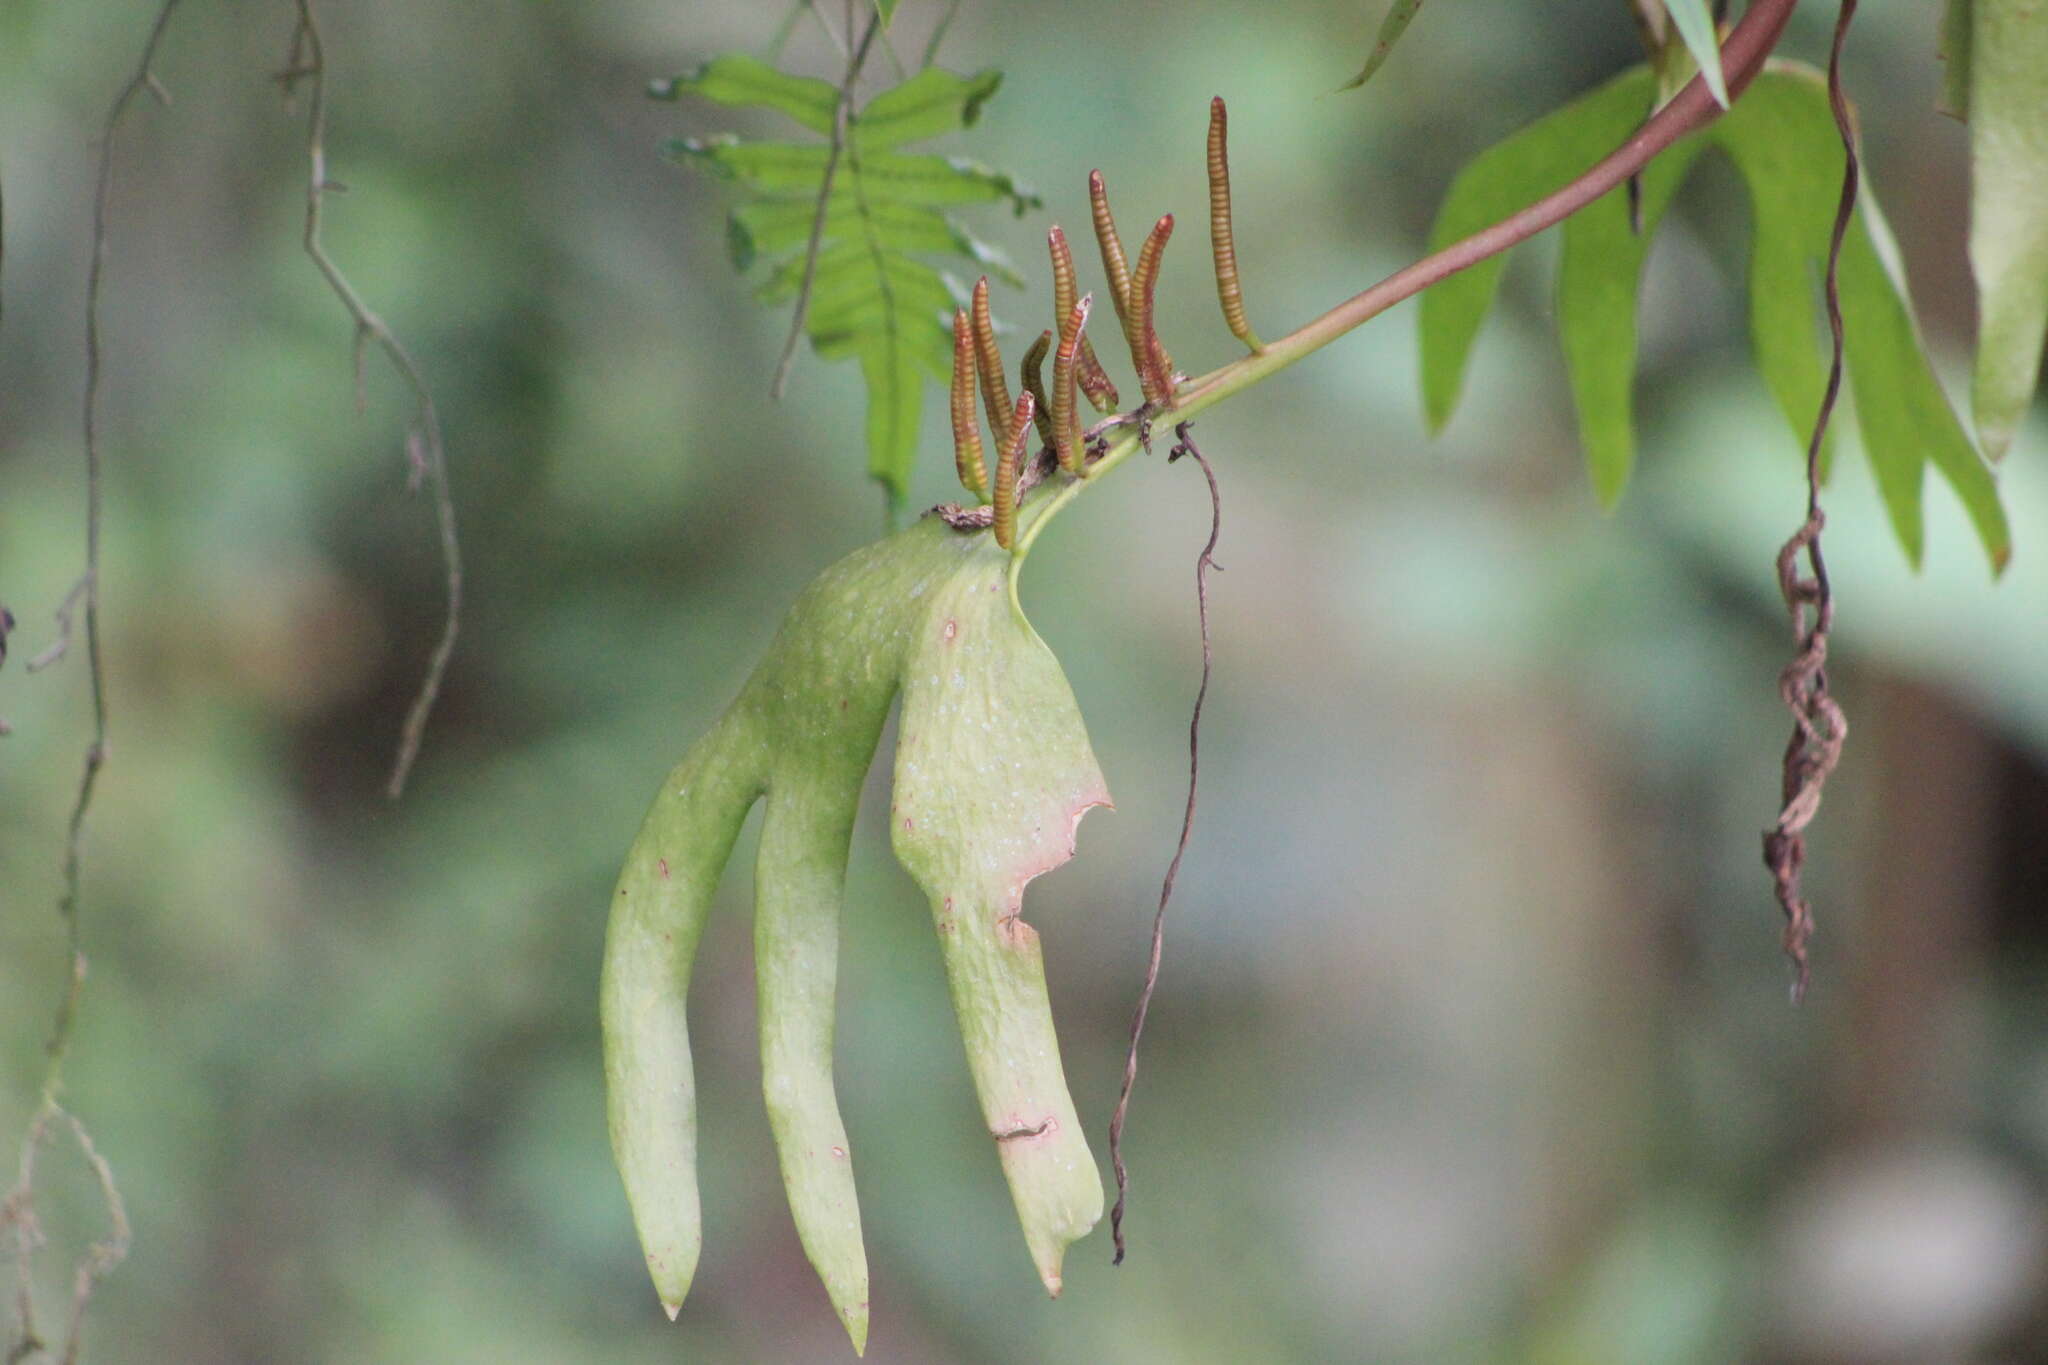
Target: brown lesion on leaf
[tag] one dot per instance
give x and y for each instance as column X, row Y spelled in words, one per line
column 1049, row 1126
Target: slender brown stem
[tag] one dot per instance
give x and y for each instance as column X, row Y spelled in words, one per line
column 424, row 446
column 17, row 1214
column 842, row 112
column 1203, row 563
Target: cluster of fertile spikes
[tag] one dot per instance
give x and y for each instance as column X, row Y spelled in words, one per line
column 1055, row 414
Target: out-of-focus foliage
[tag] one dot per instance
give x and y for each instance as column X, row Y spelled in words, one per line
column 1997, row 76
column 1782, row 140
column 1472, row 1043
column 864, row 293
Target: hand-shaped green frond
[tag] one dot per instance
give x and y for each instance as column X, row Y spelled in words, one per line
column 1783, row 141
column 871, row 297
column 993, row 773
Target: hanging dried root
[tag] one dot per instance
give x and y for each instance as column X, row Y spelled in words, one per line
column 1819, row 728
column 995, row 390
column 967, row 458
column 1008, row 463
column 1222, row 241
column 1148, row 356
column 1066, row 417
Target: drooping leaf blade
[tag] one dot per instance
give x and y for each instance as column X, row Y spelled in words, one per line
column 1510, row 175
column 1695, row 25
column 1392, row 27
column 1599, row 272
column 2008, row 104
column 932, row 102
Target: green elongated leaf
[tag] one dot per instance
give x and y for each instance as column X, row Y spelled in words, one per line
column 2008, row 103
column 1391, row 28
column 1506, row 177
column 887, row 9
column 744, row 81
column 1899, row 401
column 869, row 299
column 1695, row 25
column 993, row 772
column 1782, row 138
column 1599, row 271
column 932, row 102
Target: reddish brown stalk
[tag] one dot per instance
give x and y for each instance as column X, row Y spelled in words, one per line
column 1113, row 263
column 1034, row 384
column 1007, row 465
column 1063, row 286
column 995, row 390
column 967, row 458
column 1222, row 240
column 1095, row 381
column 1154, row 366
column 1066, row 418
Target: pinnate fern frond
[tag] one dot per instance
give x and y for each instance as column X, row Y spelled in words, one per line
column 872, row 297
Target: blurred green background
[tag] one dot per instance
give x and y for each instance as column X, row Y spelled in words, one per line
column 1473, row 1043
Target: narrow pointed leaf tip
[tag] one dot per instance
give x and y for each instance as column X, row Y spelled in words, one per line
column 871, row 297
column 1695, row 24
column 993, row 772
column 1396, row 22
